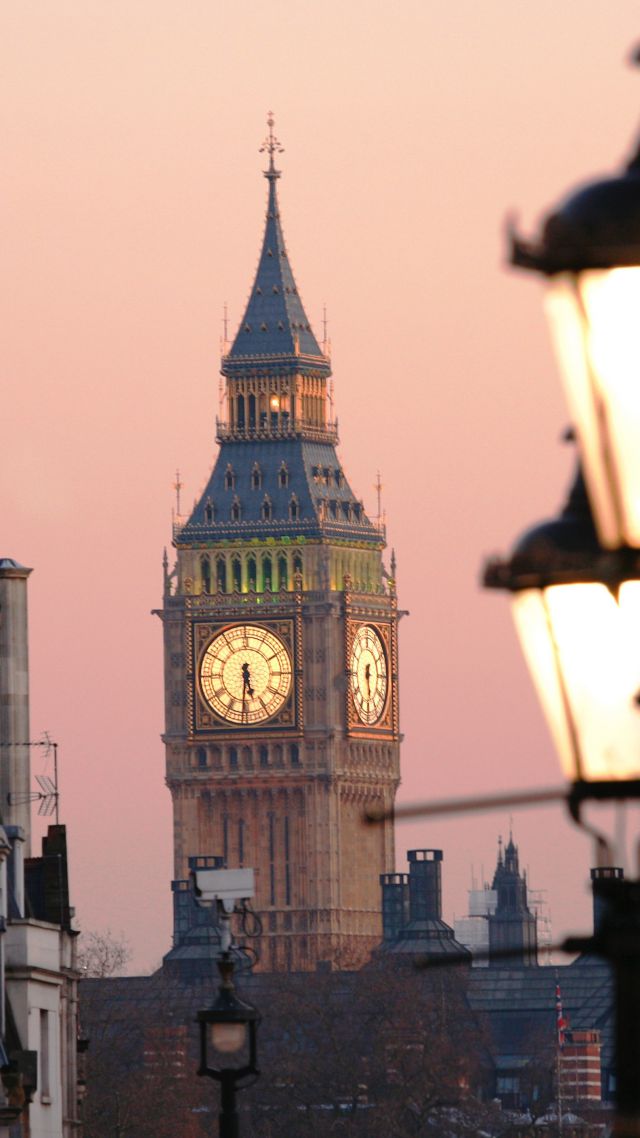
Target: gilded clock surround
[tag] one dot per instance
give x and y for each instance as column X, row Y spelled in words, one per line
column 369, row 670
column 275, row 711
column 245, row 674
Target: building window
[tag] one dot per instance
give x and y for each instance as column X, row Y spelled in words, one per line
column 241, row 841
column 229, row 478
column 233, row 758
column 283, row 572
column 44, row 1073
column 209, row 511
column 287, row 867
column 266, row 509
column 202, row 757
column 264, row 756
column 221, row 574
column 294, row 755
column 240, row 413
column 252, row 573
column 297, row 564
column 256, row 477
column 272, row 856
column 235, row 509
column 236, row 573
column 294, row 508
column 205, row 569
column 283, row 475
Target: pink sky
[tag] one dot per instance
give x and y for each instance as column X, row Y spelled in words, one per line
column 131, row 209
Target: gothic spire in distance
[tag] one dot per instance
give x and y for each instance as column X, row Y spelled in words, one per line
column 275, row 332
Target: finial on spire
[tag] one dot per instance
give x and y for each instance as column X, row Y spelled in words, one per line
column 271, row 146
column 177, row 486
column 378, row 487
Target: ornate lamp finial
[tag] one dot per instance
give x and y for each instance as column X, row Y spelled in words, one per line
column 271, row 146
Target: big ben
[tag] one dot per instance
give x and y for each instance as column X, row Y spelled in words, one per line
column 281, row 657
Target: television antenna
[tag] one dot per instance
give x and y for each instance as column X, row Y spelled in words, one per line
column 48, row 795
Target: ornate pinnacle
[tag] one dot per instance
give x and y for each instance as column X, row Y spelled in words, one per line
column 271, row 146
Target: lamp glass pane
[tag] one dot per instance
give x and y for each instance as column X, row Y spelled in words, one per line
column 570, row 336
column 594, row 640
column 534, row 632
column 595, row 317
column 228, row 1037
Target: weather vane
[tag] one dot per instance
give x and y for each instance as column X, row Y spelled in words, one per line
column 271, row 145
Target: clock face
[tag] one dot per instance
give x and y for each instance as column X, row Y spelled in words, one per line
column 368, row 674
column 245, row 674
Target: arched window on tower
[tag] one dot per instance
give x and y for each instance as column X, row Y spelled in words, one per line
column 294, row 755
column 233, row 758
column 267, row 572
column 252, row 573
column 235, row 509
column 202, row 757
column 205, row 571
column 283, row 572
column 283, row 475
column 236, row 574
column 252, row 411
column 221, row 574
column 294, row 508
column 209, row 511
column 229, row 477
column 240, row 405
column 256, row 477
column 266, row 509
column 264, row 756
column 297, row 564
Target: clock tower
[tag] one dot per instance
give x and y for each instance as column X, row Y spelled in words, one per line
column 281, row 658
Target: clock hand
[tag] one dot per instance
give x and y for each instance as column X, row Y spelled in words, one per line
column 246, row 680
column 367, row 676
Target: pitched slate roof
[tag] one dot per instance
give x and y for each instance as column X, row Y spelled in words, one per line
column 326, row 504
column 519, row 1000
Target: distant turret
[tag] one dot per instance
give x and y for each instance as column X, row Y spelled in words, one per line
column 512, row 928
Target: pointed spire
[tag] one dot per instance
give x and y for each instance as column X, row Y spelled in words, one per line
column 275, row 329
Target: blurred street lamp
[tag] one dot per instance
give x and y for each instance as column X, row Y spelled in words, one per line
column 589, row 250
column 575, row 581
column 228, row 1035
column 577, row 612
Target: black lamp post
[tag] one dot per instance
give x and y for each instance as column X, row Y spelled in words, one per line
column 589, row 251
column 228, row 1031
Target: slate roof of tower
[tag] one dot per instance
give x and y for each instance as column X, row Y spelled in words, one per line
column 275, row 326
column 324, row 510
